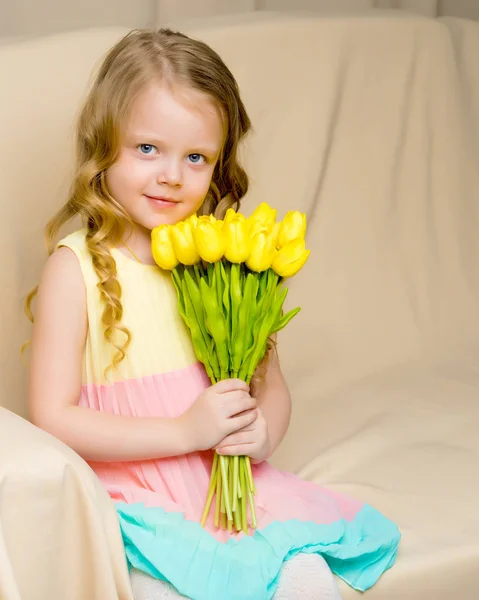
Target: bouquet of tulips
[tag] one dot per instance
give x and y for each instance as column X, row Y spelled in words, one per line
column 228, row 275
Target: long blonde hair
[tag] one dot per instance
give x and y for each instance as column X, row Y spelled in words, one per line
column 140, row 58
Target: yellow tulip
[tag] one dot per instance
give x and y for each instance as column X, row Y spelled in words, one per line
column 230, row 215
column 209, row 239
column 209, row 219
column 292, row 227
column 236, row 238
column 192, row 220
column 263, row 214
column 255, row 227
column 274, row 233
column 162, row 248
column 291, row 258
column 184, row 243
column 262, row 252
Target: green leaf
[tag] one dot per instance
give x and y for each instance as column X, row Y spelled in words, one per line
column 210, row 272
column 285, row 319
column 268, row 312
column 216, row 324
column 176, row 278
column 192, row 293
column 236, row 296
column 242, row 334
column 195, row 295
column 253, row 312
column 277, row 306
column 225, row 277
column 224, row 272
column 191, row 321
column 263, row 280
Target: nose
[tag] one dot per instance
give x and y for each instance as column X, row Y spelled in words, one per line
column 169, row 172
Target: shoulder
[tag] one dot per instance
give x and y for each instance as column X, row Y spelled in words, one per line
column 76, row 242
column 75, row 246
column 63, row 263
column 62, row 280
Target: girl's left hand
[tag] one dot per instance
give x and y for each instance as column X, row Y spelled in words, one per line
column 252, row 441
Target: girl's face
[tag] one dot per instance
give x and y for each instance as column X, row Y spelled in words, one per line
column 170, row 147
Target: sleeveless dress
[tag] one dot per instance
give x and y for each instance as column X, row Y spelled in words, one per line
column 160, row 502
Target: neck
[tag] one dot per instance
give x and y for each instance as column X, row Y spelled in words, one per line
column 137, row 240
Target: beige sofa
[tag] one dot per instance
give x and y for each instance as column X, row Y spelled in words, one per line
column 370, row 124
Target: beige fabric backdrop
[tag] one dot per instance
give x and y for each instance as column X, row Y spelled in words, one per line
column 172, row 10
column 29, row 17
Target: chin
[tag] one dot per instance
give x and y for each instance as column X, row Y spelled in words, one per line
column 163, row 220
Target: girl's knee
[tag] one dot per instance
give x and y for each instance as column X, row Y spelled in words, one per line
column 307, row 577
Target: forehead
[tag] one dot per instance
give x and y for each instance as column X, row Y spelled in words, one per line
column 176, row 112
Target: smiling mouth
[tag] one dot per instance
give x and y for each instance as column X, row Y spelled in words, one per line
column 162, row 200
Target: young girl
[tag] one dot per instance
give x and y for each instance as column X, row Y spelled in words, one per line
column 113, row 373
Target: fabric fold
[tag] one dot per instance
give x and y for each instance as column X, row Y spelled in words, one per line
column 168, row 547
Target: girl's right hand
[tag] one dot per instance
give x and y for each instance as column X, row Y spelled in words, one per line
column 221, row 409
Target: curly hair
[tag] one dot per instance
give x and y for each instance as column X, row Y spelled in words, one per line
column 137, row 60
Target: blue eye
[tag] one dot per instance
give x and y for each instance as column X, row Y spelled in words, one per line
column 147, row 149
column 196, row 159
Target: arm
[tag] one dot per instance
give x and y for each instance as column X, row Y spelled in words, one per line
column 58, row 341
column 274, row 400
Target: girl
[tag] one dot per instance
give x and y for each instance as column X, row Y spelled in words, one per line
column 113, row 373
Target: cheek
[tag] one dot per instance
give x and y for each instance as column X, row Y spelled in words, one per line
column 202, row 181
column 126, row 174
column 200, row 189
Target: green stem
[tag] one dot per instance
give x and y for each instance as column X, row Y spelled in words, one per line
column 249, row 472
column 237, row 516
column 231, row 481
column 244, row 520
column 251, row 508
column 211, row 490
column 235, row 482
column 225, row 495
column 218, row 501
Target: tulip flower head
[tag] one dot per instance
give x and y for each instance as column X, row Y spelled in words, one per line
column 262, row 253
column 162, row 248
column 291, row 258
column 291, row 228
column 209, row 239
column 237, row 240
column 184, row 243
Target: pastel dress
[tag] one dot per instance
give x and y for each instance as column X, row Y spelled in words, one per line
column 160, row 502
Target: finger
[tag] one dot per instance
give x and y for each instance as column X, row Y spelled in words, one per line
column 245, row 403
column 237, row 450
column 240, row 421
column 238, row 437
column 250, row 427
column 228, row 397
column 231, row 385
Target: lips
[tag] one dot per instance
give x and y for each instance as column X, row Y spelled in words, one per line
column 161, row 200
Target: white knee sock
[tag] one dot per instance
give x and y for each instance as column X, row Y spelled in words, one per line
column 307, row 577
column 304, row 577
column 145, row 587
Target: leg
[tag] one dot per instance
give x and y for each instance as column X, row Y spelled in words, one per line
column 148, row 588
column 307, row 577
